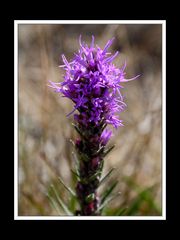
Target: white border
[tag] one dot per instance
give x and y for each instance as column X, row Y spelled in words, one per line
column 89, row 21
column 18, row 22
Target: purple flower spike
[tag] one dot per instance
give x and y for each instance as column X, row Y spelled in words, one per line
column 93, row 83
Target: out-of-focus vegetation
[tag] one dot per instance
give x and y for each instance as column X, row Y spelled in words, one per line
column 45, row 152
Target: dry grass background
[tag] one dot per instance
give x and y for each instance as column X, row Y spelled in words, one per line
column 44, row 130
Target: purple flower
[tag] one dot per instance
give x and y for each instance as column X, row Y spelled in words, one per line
column 93, row 83
column 105, row 136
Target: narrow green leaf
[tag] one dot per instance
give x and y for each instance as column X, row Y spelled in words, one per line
column 108, row 150
column 106, row 176
column 78, row 130
column 103, row 127
column 61, row 203
column 100, row 150
column 67, row 188
column 101, row 165
column 121, row 211
column 72, row 204
column 75, row 174
column 94, row 176
column 77, row 164
column 108, row 192
column 105, row 203
column 53, row 204
column 134, row 206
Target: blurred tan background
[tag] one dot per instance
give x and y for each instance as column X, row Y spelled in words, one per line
column 44, row 130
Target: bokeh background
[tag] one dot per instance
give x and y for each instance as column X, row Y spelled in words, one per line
column 45, row 151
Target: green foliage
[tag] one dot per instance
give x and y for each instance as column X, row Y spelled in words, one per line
column 72, row 205
column 108, row 192
column 120, row 211
column 142, row 204
column 108, row 150
column 67, row 188
column 54, row 204
column 75, row 174
column 106, row 176
column 107, row 201
column 144, row 201
column 60, row 202
column 107, row 196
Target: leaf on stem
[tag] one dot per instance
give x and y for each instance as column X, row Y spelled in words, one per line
column 106, row 176
column 108, row 150
column 53, row 204
column 103, row 127
column 94, row 176
column 99, row 150
column 105, row 203
column 101, row 165
column 108, row 192
column 61, row 203
column 67, row 188
column 75, row 174
column 78, row 131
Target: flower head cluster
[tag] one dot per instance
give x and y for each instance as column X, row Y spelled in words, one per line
column 93, row 83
